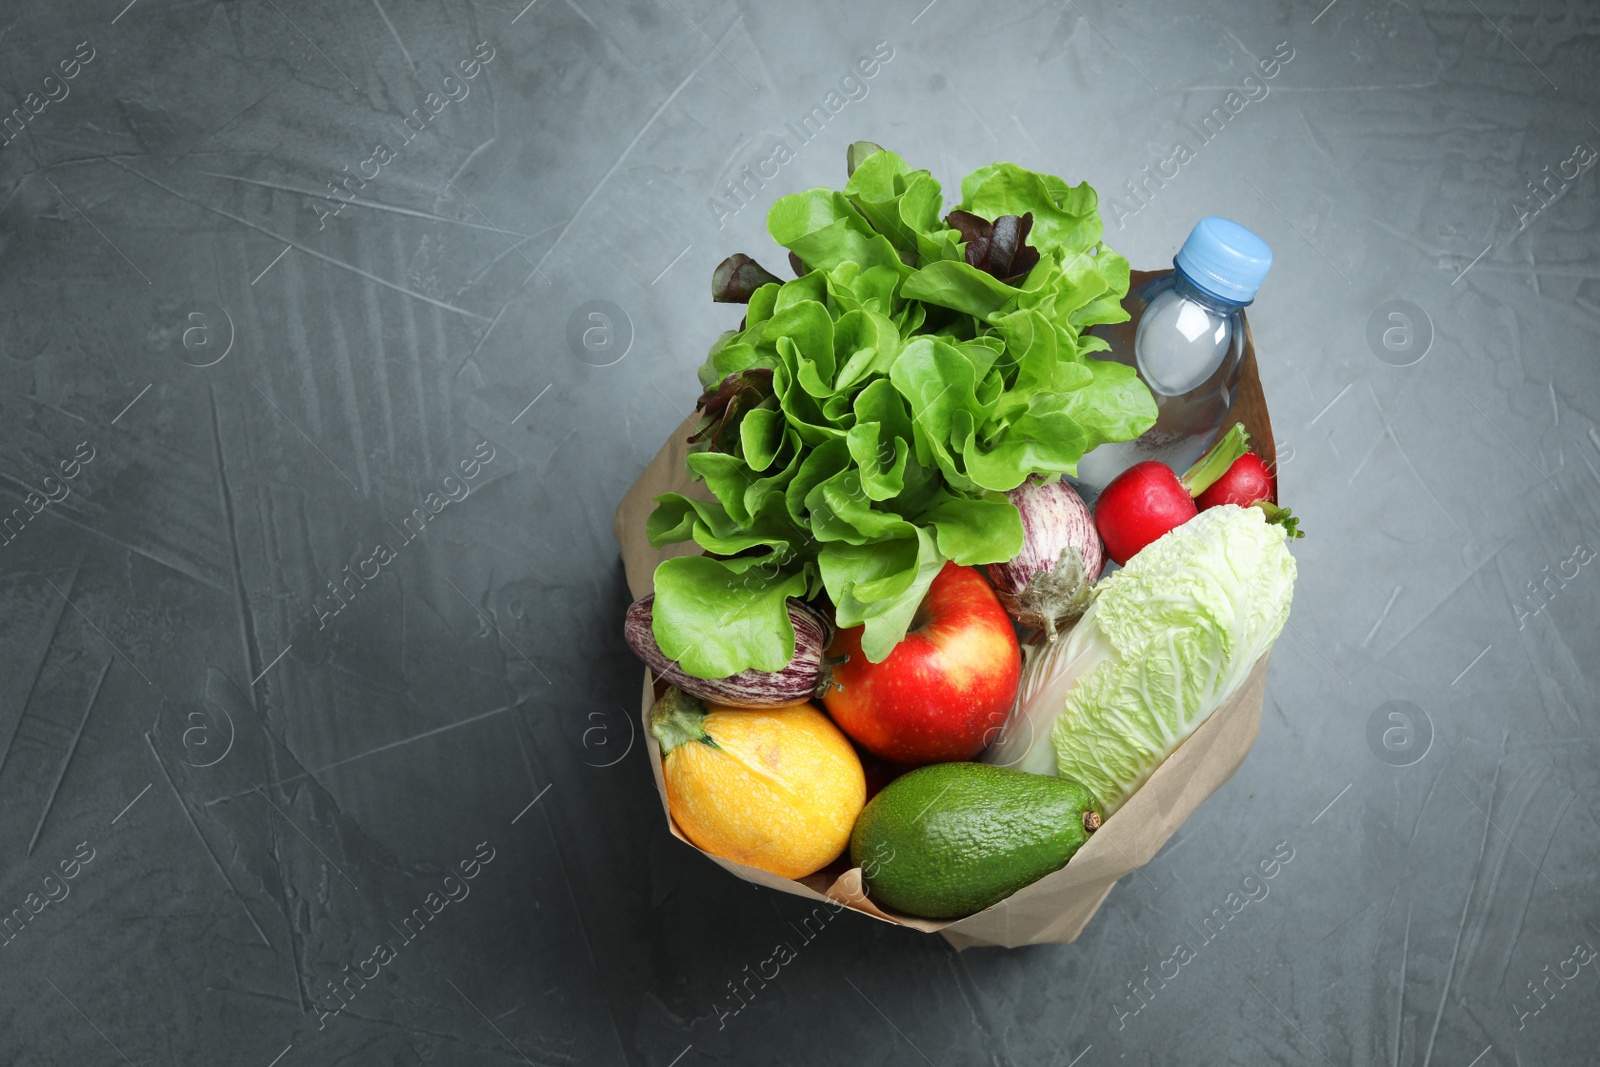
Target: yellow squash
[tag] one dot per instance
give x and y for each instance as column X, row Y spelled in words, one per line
column 774, row 788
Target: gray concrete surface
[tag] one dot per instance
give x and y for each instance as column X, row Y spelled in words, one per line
column 252, row 782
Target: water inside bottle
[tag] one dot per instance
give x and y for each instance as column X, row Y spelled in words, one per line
column 1193, row 374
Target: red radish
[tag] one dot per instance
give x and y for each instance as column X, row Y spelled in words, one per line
column 1149, row 499
column 1141, row 504
column 1246, row 482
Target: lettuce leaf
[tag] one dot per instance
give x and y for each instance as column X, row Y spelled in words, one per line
column 749, row 607
column 1064, row 217
column 861, row 427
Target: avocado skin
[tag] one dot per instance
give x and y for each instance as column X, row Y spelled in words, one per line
column 950, row 839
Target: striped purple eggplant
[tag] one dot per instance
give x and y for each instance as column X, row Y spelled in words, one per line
column 1049, row 583
column 802, row 678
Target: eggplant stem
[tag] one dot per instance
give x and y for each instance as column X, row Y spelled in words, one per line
column 825, row 680
column 1058, row 595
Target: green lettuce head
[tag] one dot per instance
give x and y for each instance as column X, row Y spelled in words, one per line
column 862, row 426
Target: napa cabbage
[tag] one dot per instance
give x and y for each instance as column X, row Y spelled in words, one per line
column 1168, row 639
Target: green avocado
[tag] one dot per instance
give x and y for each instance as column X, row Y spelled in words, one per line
column 950, row 839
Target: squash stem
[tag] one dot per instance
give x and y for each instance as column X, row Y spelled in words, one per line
column 677, row 719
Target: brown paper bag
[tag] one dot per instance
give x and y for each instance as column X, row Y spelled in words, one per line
column 1058, row 906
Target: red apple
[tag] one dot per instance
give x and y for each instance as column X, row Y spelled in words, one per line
column 944, row 688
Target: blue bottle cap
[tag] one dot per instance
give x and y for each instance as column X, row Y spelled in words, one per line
column 1224, row 259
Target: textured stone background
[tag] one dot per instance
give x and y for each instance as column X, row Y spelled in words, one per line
column 267, row 393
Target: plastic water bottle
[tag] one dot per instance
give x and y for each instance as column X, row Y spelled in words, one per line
column 1189, row 348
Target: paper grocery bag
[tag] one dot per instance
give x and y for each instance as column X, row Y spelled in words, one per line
column 1058, row 906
